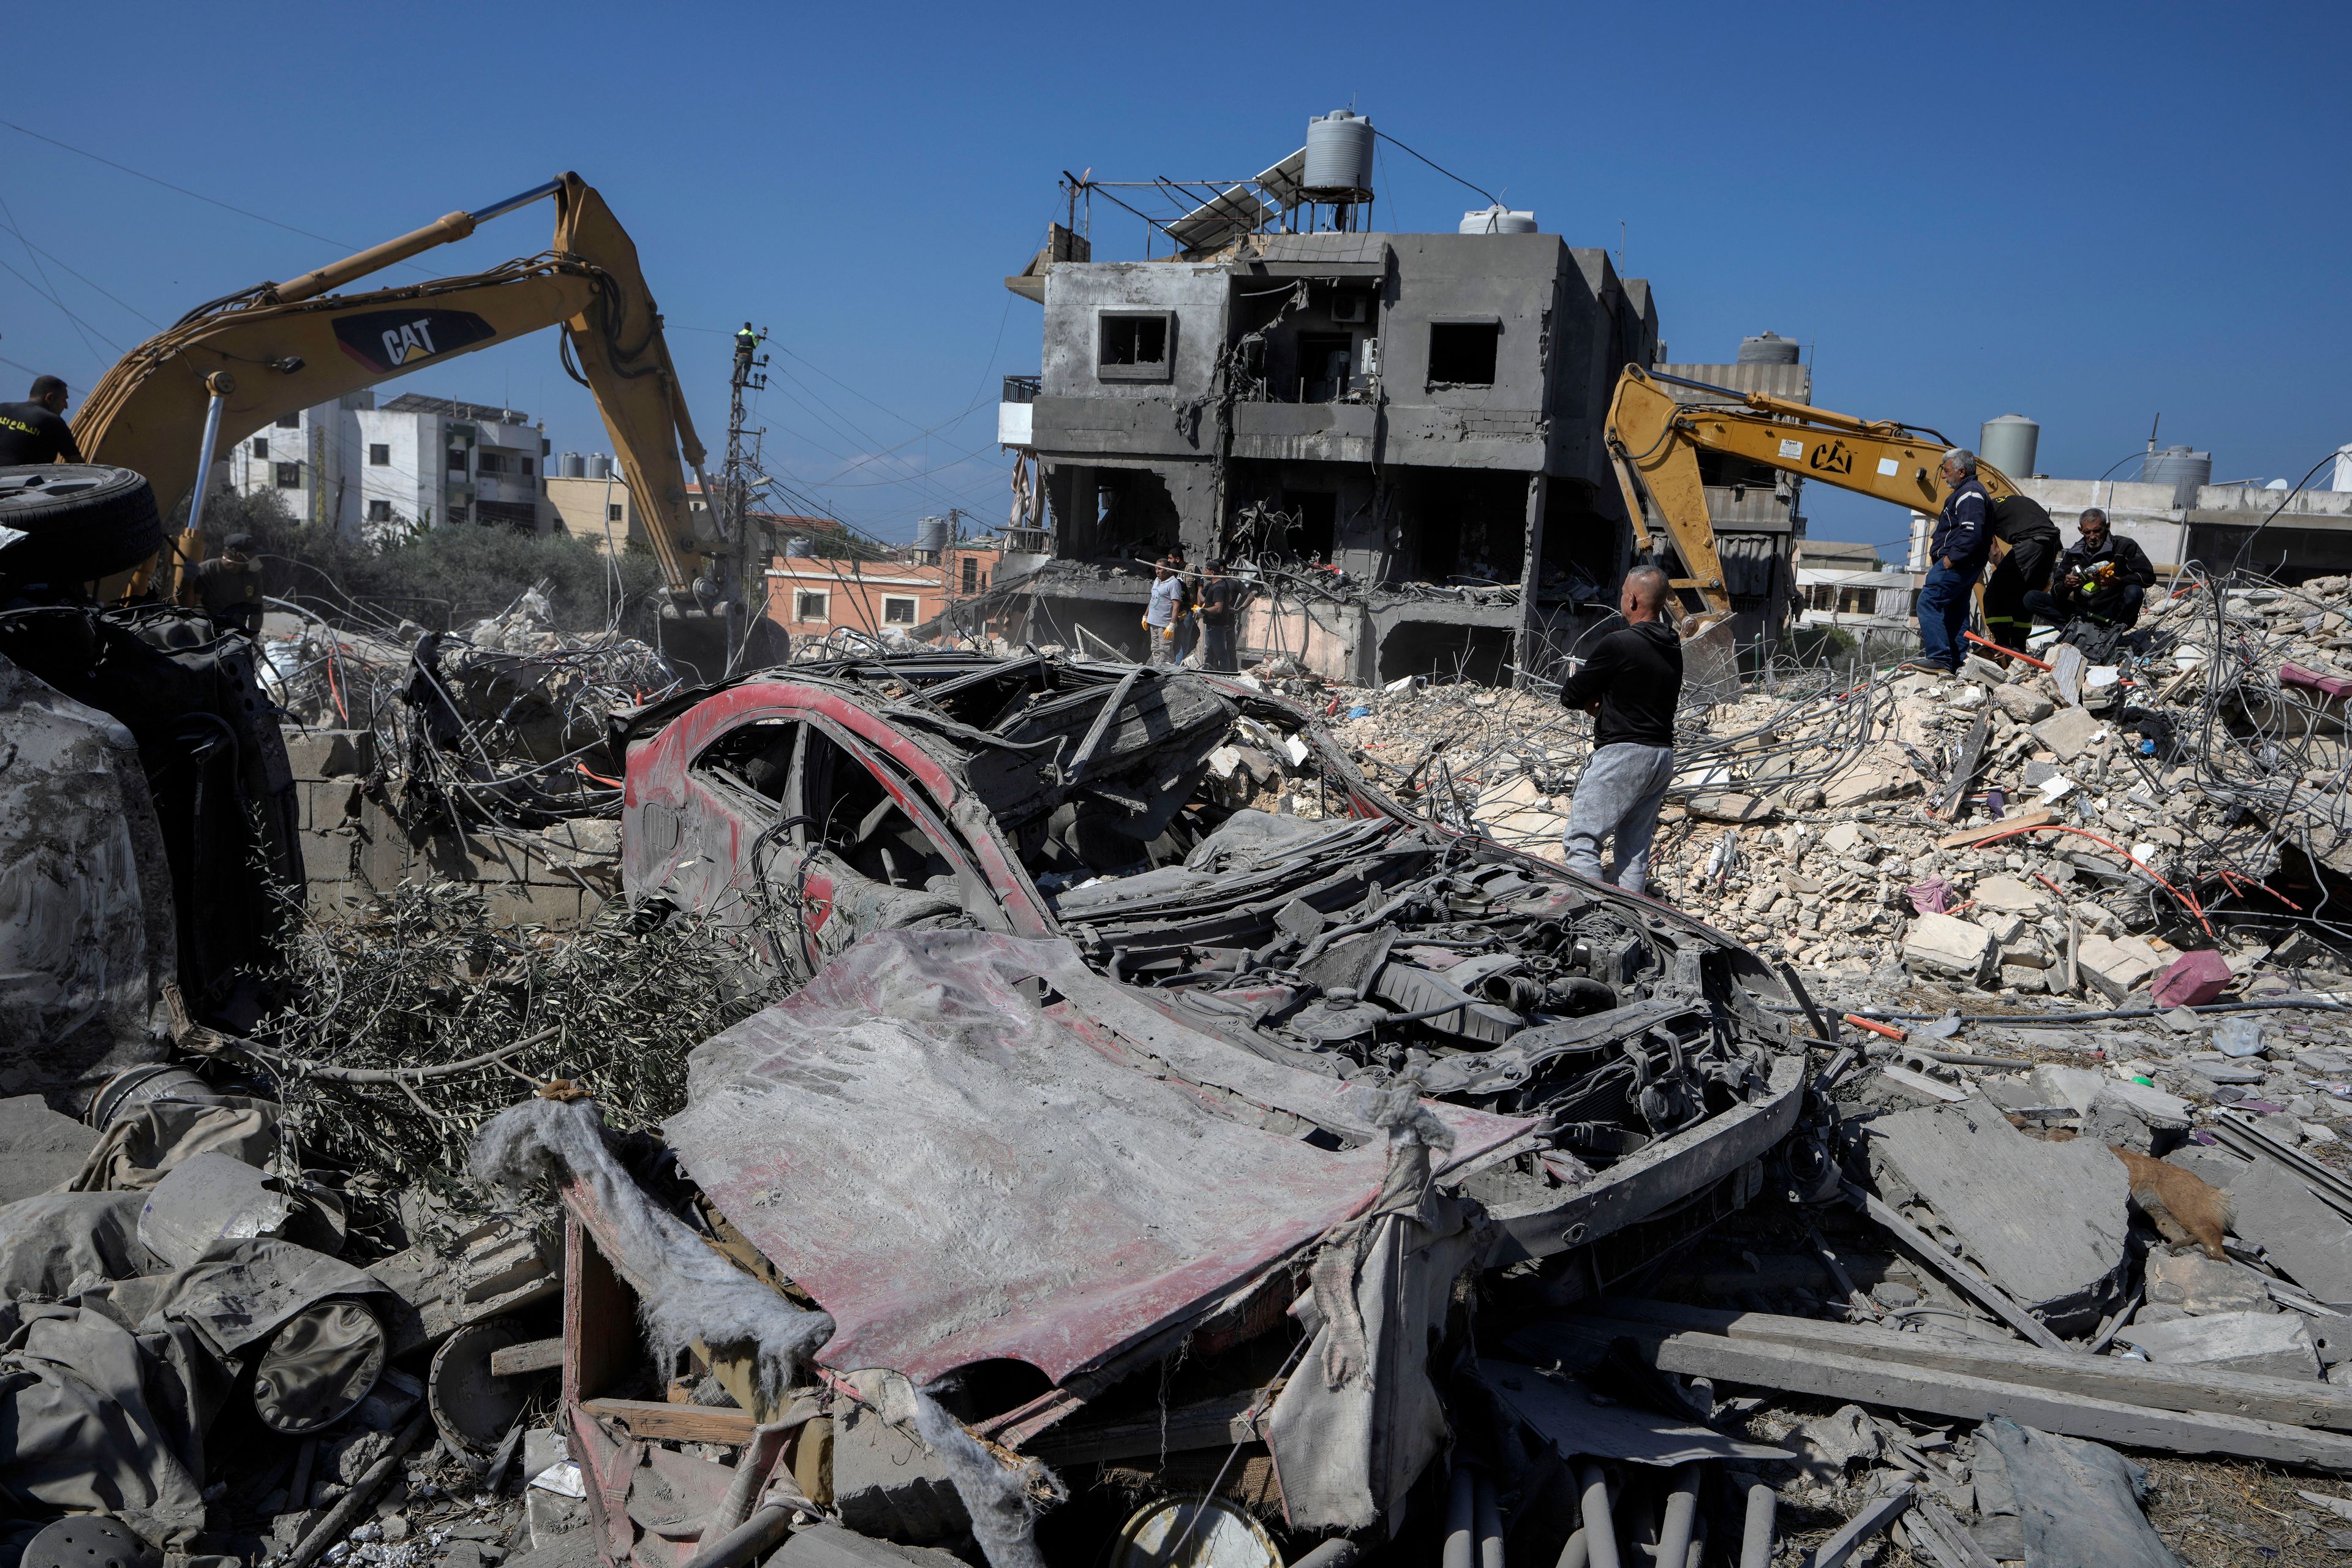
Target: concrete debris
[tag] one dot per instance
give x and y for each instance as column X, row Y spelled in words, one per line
column 2267, row 1344
column 1909, row 1102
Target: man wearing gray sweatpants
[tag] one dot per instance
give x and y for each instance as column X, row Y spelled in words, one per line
column 1630, row 685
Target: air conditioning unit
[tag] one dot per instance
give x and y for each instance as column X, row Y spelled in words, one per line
column 1350, row 309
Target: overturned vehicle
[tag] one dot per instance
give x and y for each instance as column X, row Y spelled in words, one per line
column 1154, row 1094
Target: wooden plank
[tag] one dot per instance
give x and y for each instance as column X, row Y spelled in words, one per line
column 1964, row 773
column 1947, row 1539
column 1958, row 1272
column 2009, row 823
column 680, row 1423
column 531, row 1355
column 1863, row 1527
column 1208, row 1424
column 1866, row 1380
column 2298, row 1401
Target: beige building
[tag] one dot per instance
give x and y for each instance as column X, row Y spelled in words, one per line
column 598, row 510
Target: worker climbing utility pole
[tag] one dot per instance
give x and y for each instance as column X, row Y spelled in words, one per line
column 752, row 640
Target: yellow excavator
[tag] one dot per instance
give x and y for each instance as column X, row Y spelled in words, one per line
column 184, row 399
column 1654, row 441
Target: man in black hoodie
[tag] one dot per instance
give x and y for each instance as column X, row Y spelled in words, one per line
column 1630, row 685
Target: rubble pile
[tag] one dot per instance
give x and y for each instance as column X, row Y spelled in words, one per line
column 500, row 723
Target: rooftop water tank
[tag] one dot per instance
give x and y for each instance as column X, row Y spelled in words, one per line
column 1339, row 157
column 931, row 535
column 2008, row 444
column 796, row 546
column 1769, row 349
column 2182, row 469
column 1497, row 220
column 572, row 466
column 600, row 466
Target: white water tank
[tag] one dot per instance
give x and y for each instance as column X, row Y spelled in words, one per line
column 1497, row 220
column 1339, row 157
column 931, row 535
column 572, row 466
column 1770, row 348
column 600, row 466
column 2182, row 469
column 2008, row 444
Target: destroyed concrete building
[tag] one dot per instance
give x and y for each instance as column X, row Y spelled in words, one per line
column 1399, row 436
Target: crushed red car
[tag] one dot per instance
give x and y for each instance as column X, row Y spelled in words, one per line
column 1142, row 1055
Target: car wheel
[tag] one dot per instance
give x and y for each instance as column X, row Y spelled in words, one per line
column 68, row 523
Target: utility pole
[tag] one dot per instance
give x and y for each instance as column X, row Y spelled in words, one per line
column 734, row 499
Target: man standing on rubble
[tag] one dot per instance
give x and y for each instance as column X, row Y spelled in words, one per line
column 1630, row 685
column 1957, row 552
column 2103, row 577
column 1217, row 620
column 228, row 586
column 1160, row 615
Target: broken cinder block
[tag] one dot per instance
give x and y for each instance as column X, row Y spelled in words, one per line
column 2069, row 732
column 2267, row 1344
column 2046, row 1222
column 1948, row 944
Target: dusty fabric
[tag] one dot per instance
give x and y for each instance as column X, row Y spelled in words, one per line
column 59, row 1243
column 241, row 1296
column 138, row 1151
column 1358, row 1424
column 1003, row 1516
column 80, row 861
column 80, row 1436
column 686, row 1290
column 2077, row 1502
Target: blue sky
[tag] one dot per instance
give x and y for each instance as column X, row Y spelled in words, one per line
column 2086, row 214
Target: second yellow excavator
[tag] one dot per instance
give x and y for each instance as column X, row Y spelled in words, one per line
column 184, row 399
column 1654, row 440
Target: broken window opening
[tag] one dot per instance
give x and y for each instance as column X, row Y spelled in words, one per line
column 1324, row 359
column 379, row 454
column 1134, row 346
column 379, row 512
column 812, row 605
column 290, row 421
column 1462, row 353
column 456, row 459
column 290, row 476
column 897, row 610
column 262, row 447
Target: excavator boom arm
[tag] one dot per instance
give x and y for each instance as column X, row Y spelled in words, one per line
column 290, row 346
column 1654, row 441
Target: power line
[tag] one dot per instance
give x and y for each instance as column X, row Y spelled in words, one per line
column 1492, row 199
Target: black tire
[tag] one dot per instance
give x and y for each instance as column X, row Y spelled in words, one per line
column 63, row 524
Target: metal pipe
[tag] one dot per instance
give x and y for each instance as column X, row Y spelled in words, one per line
column 1461, row 1514
column 1682, row 1509
column 1756, row 1536
column 1490, row 1524
column 501, row 209
column 1337, row 1551
column 747, row 1539
column 220, row 384
column 1600, row 1529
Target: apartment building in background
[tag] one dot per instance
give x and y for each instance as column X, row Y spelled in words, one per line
column 413, row 462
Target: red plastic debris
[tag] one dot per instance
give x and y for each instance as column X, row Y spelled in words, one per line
column 2193, row 978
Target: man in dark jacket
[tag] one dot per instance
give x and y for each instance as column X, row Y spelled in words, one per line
column 1215, row 610
column 34, row 431
column 1957, row 552
column 228, row 586
column 2104, row 577
column 1630, row 685
column 2022, row 523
